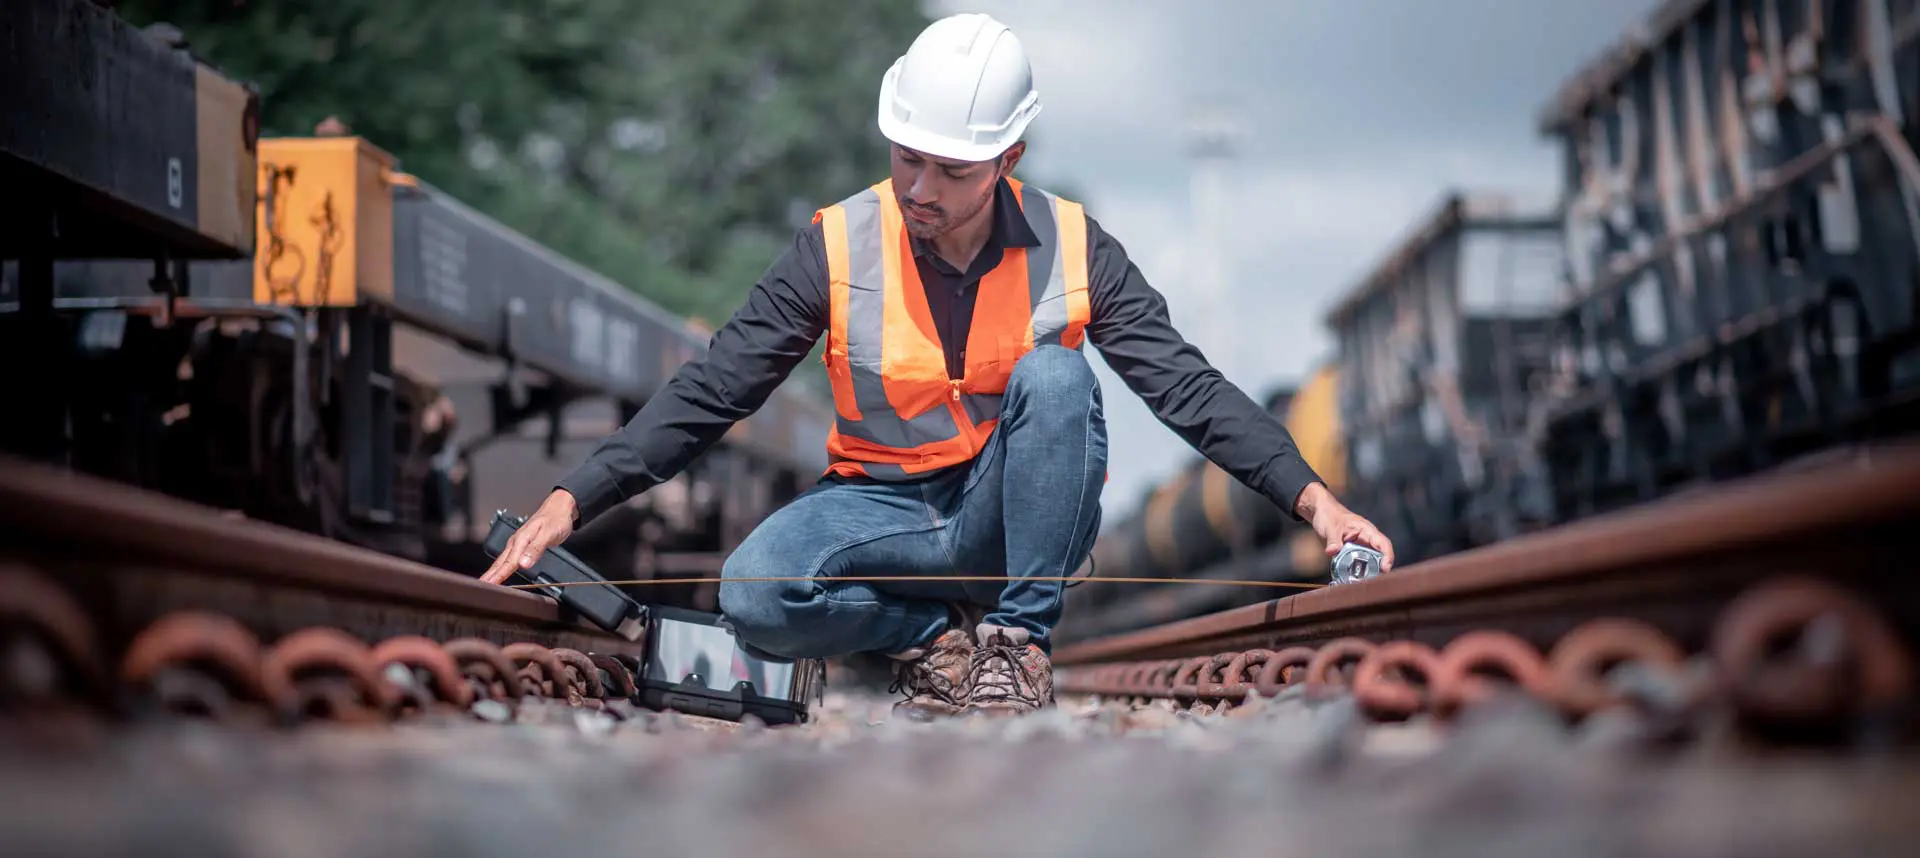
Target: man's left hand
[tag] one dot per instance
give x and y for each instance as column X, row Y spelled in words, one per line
column 1338, row 525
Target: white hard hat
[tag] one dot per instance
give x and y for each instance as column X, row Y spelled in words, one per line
column 963, row 90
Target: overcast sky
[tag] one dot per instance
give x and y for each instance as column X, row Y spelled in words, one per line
column 1360, row 114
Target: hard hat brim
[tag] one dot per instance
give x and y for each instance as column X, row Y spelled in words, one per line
column 940, row 145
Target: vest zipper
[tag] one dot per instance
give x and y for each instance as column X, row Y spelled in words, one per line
column 960, row 418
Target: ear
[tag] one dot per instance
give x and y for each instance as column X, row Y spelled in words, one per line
column 1011, row 158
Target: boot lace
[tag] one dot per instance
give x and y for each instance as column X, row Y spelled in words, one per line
column 918, row 677
column 997, row 674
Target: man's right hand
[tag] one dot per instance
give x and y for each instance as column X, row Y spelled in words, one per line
column 549, row 526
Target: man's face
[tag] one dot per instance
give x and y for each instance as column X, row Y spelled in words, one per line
column 937, row 194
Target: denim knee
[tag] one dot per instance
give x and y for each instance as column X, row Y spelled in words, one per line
column 761, row 612
column 1049, row 371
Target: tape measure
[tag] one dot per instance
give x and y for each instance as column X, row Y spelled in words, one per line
column 1355, row 562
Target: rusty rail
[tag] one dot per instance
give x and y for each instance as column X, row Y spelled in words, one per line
column 148, row 601
column 1792, row 593
column 57, row 511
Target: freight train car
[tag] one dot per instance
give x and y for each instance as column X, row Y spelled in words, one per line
column 341, row 348
column 1743, row 227
column 353, row 378
column 1203, row 523
column 1441, row 349
column 112, row 145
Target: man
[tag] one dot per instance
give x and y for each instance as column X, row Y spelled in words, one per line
column 969, row 438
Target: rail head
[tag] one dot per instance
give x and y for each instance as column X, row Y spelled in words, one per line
column 1867, row 485
column 55, row 509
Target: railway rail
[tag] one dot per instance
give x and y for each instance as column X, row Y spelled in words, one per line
column 1786, row 600
column 132, row 600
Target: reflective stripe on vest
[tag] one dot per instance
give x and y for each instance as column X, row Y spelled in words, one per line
column 897, row 413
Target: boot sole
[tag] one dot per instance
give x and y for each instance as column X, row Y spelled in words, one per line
column 1001, row 710
column 924, row 712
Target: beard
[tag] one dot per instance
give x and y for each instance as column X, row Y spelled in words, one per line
column 943, row 217
column 928, row 231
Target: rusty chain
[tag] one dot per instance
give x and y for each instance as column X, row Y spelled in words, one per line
column 1791, row 651
column 203, row 664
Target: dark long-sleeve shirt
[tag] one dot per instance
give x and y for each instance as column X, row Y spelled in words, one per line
column 787, row 311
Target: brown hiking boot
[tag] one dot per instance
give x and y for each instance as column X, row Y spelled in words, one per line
column 934, row 677
column 1011, row 676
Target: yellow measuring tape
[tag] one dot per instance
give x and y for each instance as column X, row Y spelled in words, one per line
column 1224, row 582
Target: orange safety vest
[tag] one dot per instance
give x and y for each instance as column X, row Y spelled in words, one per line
column 897, row 412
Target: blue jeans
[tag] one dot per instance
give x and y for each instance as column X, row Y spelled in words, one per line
column 1028, row 505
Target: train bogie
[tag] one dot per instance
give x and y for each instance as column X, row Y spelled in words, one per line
column 114, row 144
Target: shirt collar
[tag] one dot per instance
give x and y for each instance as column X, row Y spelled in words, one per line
column 1010, row 225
